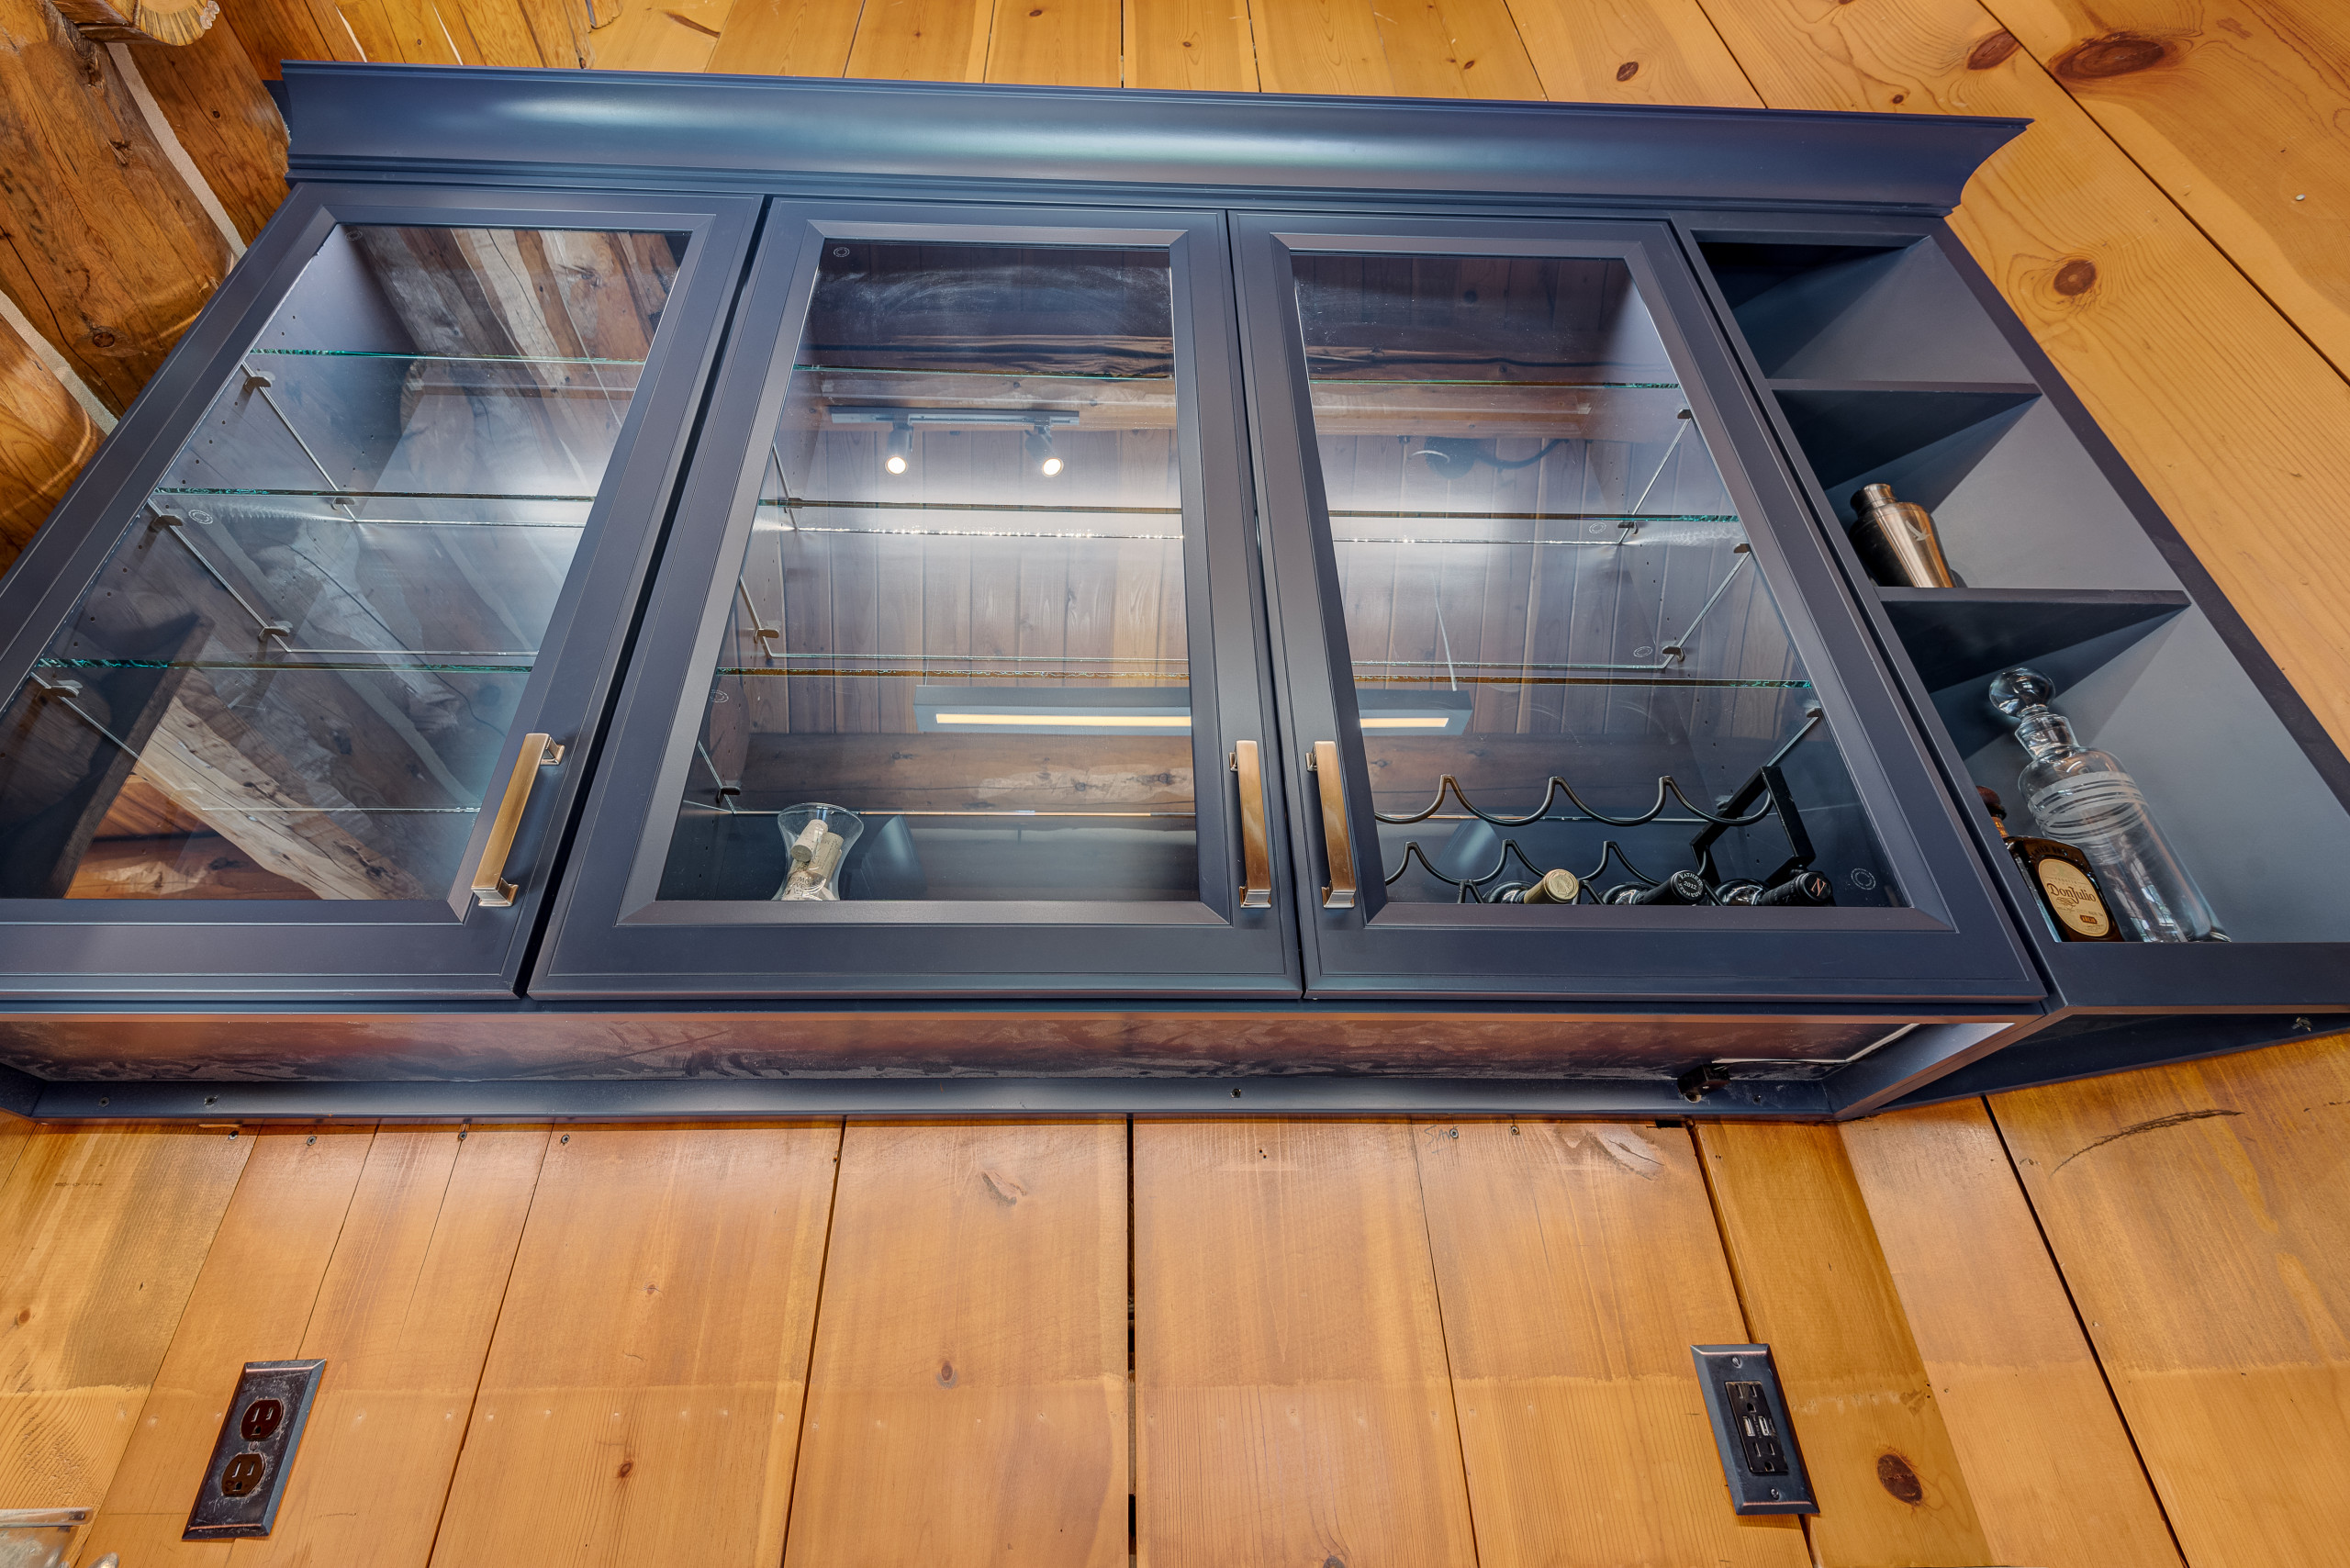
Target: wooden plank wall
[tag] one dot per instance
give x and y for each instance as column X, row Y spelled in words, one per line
column 2101, row 1325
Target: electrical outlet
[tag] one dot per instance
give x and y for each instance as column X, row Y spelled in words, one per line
column 246, row 1476
column 1760, row 1462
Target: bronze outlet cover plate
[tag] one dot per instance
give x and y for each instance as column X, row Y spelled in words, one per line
column 246, row 1476
column 1760, row 1462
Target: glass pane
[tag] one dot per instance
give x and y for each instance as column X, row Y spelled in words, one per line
column 1564, row 654
column 295, row 673
column 958, row 625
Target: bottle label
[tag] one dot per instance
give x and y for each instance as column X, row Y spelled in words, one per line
column 2073, row 898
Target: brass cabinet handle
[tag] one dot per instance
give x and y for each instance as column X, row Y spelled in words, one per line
column 1256, row 855
column 1338, row 848
column 490, row 886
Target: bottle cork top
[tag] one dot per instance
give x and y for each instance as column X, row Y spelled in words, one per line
column 1871, row 496
column 1991, row 800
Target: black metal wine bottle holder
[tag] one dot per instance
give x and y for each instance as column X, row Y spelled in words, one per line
column 1765, row 795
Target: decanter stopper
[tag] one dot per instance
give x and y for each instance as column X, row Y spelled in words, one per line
column 2015, row 692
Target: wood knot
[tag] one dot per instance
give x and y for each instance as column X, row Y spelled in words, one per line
column 102, row 339
column 1002, row 1188
column 1892, row 1473
column 2076, row 276
column 626, row 1465
column 1993, row 51
column 24, row 1318
column 2115, row 54
column 1334, row 1563
column 946, row 1375
column 1624, row 72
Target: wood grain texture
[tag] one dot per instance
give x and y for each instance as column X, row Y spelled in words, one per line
column 1597, row 51
column 2196, row 1212
column 2048, row 1461
column 1320, row 46
column 966, row 1402
column 105, row 250
column 251, row 1303
column 922, row 40
column 225, row 119
column 403, row 1319
column 103, row 1231
column 2240, row 110
column 275, row 31
column 674, row 35
column 45, row 437
column 1577, row 1262
column 15, row 1133
column 787, row 38
column 1200, row 45
column 1056, row 43
column 1292, row 1396
column 643, row 1393
column 1816, row 1289
column 2237, row 425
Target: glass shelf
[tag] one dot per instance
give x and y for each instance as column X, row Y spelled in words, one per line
column 303, row 659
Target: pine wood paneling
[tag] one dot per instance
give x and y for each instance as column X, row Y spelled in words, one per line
column 1816, row 1289
column 1320, row 46
column 45, row 437
column 967, row 1403
column 15, row 1133
column 222, row 115
column 1200, row 45
column 1290, row 1388
column 787, row 38
column 1057, row 43
column 275, row 31
column 108, row 255
column 2047, row 1459
column 2240, row 110
column 677, row 36
column 2197, row 1211
column 1660, row 51
column 1577, row 1262
column 403, row 1320
column 922, row 40
column 643, row 1392
column 251, row 1303
column 2239, row 428
column 1456, row 49
column 103, row 1231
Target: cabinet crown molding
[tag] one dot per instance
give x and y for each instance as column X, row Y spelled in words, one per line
column 716, row 133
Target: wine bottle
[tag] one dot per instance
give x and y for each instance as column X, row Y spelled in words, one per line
column 1805, row 889
column 1556, row 886
column 1682, row 887
column 2061, row 877
column 1897, row 541
column 2087, row 799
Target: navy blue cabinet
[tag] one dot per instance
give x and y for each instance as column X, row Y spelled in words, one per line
column 654, row 548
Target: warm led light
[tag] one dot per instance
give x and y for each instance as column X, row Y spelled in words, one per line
column 901, row 447
column 1105, row 721
column 896, row 465
column 1431, row 722
column 1049, row 466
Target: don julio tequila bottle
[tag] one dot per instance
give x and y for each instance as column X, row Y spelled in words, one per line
column 2084, row 798
column 2062, row 877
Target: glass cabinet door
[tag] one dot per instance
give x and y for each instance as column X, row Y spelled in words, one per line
column 307, row 687
column 954, row 679
column 1560, row 722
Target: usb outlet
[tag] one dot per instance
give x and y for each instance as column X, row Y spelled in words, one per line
column 1761, row 1462
column 1755, row 1432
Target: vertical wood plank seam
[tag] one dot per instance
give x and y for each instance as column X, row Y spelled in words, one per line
column 2097, row 1358
column 1736, row 1284
column 815, row 1326
column 1728, row 52
column 1444, row 1338
column 1134, row 1372
column 243, row 1171
column 506, row 1286
column 2211, row 239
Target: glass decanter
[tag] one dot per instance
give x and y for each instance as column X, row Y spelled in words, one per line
column 2083, row 797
